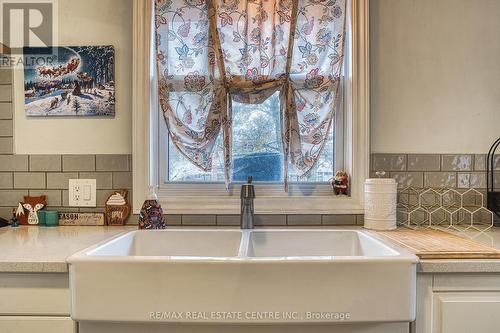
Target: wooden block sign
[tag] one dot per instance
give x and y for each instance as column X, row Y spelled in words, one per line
column 81, row 218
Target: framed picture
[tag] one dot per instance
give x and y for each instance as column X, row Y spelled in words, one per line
column 73, row 81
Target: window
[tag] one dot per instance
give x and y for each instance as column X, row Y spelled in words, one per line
column 257, row 150
column 186, row 189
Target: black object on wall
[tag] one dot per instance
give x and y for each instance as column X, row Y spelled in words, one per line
column 493, row 197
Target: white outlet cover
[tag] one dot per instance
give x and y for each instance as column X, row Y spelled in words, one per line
column 82, row 192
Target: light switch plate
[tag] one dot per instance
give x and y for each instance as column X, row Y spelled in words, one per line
column 82, row 192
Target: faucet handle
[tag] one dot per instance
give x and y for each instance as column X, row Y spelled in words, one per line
column 247, row 190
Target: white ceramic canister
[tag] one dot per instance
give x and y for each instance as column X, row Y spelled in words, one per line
column 380, row 203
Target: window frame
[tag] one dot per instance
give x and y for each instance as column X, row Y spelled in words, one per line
column 301, row 199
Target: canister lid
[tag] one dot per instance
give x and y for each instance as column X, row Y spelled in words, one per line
column 380, row 181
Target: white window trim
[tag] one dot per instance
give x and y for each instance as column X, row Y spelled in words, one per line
column 356, row 159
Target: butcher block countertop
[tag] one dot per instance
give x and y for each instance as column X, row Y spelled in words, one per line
column 448, row 251
column 439, row 244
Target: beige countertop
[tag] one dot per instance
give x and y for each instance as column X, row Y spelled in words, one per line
column 45, row 249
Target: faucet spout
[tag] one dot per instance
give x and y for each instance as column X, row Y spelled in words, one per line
column 247, row 206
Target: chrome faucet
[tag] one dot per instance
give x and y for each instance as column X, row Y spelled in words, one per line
column 247, row 196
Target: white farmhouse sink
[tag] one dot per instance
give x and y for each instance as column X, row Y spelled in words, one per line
column 250, row 276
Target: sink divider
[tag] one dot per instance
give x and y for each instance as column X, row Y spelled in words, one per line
column 244, row 244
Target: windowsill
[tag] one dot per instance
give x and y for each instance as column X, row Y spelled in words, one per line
column 263, row 205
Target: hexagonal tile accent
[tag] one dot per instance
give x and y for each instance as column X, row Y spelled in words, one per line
column 430, row 199
column 403, row 217
column 440, row 217
column 409, row 197
column 482, row 219
column 451, row 200
column 461, row 219
column 472, row 200
column 419, row 217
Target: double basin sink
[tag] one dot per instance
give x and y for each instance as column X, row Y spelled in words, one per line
column 241, row 277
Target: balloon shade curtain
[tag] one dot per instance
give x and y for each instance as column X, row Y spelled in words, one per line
column 210, row 52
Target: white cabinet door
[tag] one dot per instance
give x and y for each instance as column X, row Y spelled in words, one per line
column 466, row 312
column 20, row 324
column 34, row 294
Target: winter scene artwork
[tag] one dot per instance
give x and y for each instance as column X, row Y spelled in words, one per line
column 75, row 81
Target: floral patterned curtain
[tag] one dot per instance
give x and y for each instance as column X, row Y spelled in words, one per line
column 212, row 51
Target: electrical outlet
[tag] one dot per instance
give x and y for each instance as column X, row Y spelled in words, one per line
column 82, row 192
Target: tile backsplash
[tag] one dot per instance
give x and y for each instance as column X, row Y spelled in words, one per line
column 48, row 174
column 435, row 170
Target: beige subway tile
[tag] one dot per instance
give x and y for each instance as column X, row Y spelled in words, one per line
column 29, row 180
column 477, row 180
column 6, row 212
column 103, row 179
column 6, row 180
column 424, row 162
column 133, row 219
column 91, row 209
column 113, row 163
column 388, row 162
column 440, row 179
column 78, row 162
column 5, row 76
column 339, row 219
column 463, row 180
column 199, row 220
column 173, row 219
column 45, row 163
column 456, row 162
column 228, row 220
column 6, row 145
column 5, row 110
column 6, row 127
column 65, row 198
column 13, row 162
column 122, row 180
column 60, row 180
column 11, row 198
column 480, row 162
column 269, row 220
column 53, row 197
column 305, row 220
column 5, row 93
column 63, row 209
column 415, row 179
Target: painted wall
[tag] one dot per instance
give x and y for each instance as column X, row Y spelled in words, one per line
column 88, row 22
column 435, row 75
column 434, row 82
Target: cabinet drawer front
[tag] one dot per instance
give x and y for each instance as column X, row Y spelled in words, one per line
column 19, row 324
column 34, row 294
column 465, row 312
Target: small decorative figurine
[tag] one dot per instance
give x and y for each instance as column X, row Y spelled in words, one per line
column 27, row 211
column 117, row 208
column 151, row 216
column 340, row 183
